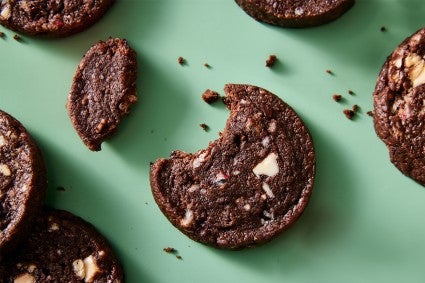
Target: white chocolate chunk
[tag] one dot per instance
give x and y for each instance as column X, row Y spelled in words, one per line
column 199, row 160
column 416, row 64
column 188, row 218
column 6, row 12
column 5, row 170
column 2, row 140
column 268, row 190
column 247, row 207
column 24, row 278
column 90, row 269
column 268, row 166
column 53, row 227
column 78, row 267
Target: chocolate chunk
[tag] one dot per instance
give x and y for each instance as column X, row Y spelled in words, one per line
column 250, row 184
column 103, row 89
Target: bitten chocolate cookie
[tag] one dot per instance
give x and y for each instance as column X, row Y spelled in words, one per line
column 51, row 18
column 103, row 89
column 295, row 14
column 62, row 248
column 23, row 182
column 399, row 106
column 250, row 184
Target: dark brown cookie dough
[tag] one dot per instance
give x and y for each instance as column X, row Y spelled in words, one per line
column 62, row 248
column 250, row 184
column 296, row 14
column 23, row 182
column 103, row 89
column 399, row 109
column 53, row 18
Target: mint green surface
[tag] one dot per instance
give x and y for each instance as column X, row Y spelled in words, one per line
column 364, row 222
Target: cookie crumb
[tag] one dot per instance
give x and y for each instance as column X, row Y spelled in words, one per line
column 210, row 96
column 337, row 97
column 329, row 72
column 205, row 127
column 356, row 108
column 179, row 257
column 348, row 113
column 60, row 189
column 170, row 250
column 17, row 37
column 181, row 60
column 271, row 61
column 383, row 29
column 1, row 34
column 350, row 92
column 370, row 113
column 208, row 66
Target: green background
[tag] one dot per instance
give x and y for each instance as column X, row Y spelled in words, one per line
column 364, row 222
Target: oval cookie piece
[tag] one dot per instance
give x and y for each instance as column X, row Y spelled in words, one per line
column 103, row 89
column 250, row 184
column 399, row 106
column 295, row 14
column 63, row 248
column 51, row 18
column 23, row 182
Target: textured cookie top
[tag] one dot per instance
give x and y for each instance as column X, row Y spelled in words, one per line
column 399, row 106
column 247, row 186
column 62, row 248
column 55, row 18
column 290, row 13
column 22, row 181
column 103, row 89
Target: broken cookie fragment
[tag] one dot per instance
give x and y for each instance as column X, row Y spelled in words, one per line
column 250, row 184
column 103, row 90
column 62, row 248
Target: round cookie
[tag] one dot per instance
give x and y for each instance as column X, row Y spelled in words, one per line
column 50, row 17
column 399, row 106
column 103, row 89
column 63, row 248
column 295, row 14
column 23, row 182
column 250, row 184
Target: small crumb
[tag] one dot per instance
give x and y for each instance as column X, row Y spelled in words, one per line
column 210, row 96
column 17, row 37
column 1, row 34
column 170, row 250
column 337, row 97
column 179, row 257
column 356, row 108
column 329, row 72
column 350, row 92
column 370, row 113
column 383, row 29
column 181, row 60
column 204, row 126
column 60, row 189
column 271, row 61
column 348, row 113
column 208, row 66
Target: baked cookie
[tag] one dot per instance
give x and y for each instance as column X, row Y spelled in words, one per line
column 62, row 248
column 295, row 14
column 52, row 18
column 103, row 89
column 399, row 106
column 23, row 182
column 250, row 184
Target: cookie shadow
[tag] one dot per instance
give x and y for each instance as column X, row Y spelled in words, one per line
column 325, row 220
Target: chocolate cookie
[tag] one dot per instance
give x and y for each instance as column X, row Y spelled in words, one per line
column 23, row 182
column 53, row 18
column 399, row 106
column 103, row 89
column 62, row 248
column 250, row 184
column 295, row 14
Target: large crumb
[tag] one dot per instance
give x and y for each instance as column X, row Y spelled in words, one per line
column 210, row 96
column 271, row 61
